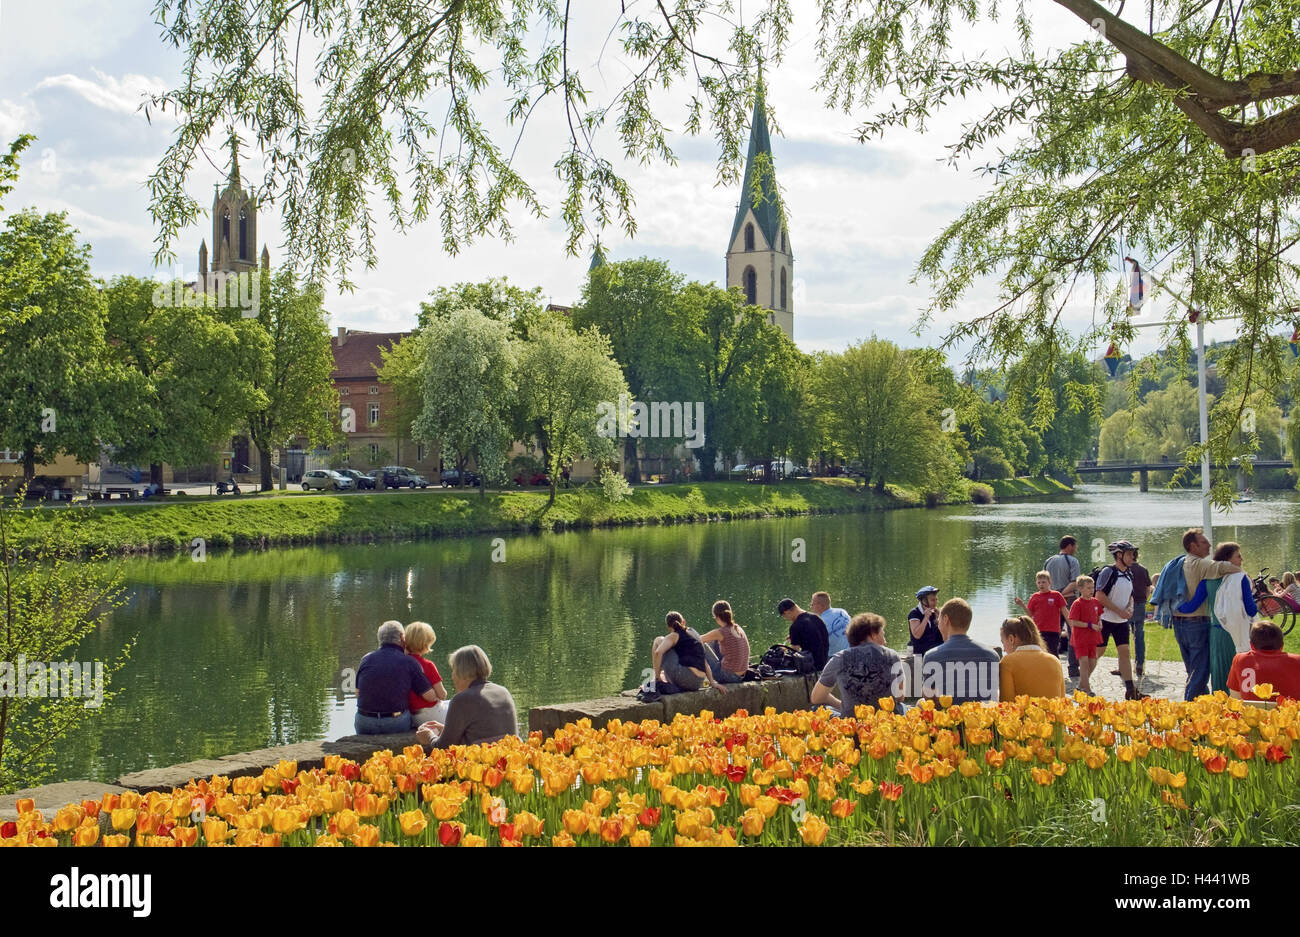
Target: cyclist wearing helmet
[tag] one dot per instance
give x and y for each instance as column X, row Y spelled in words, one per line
column 1115, row 592
column 923, row 622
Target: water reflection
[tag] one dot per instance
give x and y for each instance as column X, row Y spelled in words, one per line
column 244, row 651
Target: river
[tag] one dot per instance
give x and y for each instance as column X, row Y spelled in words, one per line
column 247, row 650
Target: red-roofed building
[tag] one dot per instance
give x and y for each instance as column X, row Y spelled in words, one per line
column 375, row 437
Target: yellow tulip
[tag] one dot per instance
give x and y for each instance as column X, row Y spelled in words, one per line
column 346, row 822
column 471, row 839
column 813, row 830
column 116, row 839
column 563, row 838
column 1263, row 690
column 123, row 818
column 1238, row 769
column 85, row 836
column 68, row 818
column 413, row 822
column 215, row 830
column 751, row 822
column 767, row 806
column 366, row 835
column 968, row 767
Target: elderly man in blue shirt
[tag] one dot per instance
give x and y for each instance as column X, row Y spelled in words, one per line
column 385, row 679
column 836, row 621
column 960, row 668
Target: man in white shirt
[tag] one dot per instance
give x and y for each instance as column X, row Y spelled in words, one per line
column 1115, row 592
column 836, row 620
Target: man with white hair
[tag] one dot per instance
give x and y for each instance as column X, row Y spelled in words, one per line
column 385, row 678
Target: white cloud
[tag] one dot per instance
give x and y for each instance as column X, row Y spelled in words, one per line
column 16, row 117
column 120, row 95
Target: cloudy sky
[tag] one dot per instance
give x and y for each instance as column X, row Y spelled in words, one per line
column 73, row 72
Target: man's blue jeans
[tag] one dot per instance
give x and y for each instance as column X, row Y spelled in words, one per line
column 1193, row 637
column 1138, row 627
column 390, row 725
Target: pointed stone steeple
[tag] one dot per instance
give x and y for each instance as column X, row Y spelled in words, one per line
column 597, row 258
column 203, row 258
column 266, row 259
column 234, row 222
column 760, row 260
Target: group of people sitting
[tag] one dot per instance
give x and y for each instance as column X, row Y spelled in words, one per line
column 399, row 689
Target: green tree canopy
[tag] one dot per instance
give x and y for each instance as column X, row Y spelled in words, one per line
column 288, row 360
column 54, row 377
column 565, row 376
column 182, row 384
column 469, row 390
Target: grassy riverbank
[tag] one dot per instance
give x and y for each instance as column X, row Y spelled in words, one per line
column 268, row 520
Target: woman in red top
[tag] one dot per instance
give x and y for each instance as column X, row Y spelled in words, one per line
column 419, row 639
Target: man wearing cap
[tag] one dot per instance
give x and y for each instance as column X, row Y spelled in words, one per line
column 807, row 632
column 1063, row 567
column 1115, row 592
column 923, row 622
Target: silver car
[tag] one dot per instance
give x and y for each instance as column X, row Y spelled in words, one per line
column 326, row 480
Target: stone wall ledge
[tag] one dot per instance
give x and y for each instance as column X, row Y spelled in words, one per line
column 787, row 694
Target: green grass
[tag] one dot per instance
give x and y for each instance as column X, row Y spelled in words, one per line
column 260, row 521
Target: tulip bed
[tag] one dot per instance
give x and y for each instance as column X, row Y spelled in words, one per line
column 1075, row 770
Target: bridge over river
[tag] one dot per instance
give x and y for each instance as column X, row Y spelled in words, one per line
column 1095, row 467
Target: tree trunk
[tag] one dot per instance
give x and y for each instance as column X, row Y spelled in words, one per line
column 264, row 457
column 29, row 465
column 155, row 474
column 708, row 457
column 632, row 465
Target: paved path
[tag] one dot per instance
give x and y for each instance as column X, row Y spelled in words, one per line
column 1164, row 678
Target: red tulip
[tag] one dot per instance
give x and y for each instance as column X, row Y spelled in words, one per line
column 351, row 771
column 736, row 773
column 508, row 833
column 1275, row 754
column 289, row 786
column 449, row 834
column 8, row 830
column 649, row 816
column 890, row 791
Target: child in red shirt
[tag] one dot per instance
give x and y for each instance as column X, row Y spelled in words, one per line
column 1085, row 630
column 1046, row 605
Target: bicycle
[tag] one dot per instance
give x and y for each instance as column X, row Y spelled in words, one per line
column 1275, row 607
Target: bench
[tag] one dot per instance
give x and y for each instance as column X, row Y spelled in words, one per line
column 128, row 493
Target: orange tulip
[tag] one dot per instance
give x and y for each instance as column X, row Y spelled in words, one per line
column 116, row 839
column 85, row 836
column 366, row 835
column 186, row 835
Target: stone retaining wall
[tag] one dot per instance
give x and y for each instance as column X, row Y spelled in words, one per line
column 785, row 695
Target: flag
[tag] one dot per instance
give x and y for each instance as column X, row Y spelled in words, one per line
column 1295, row 342
column 1136, row 287
column 1112, row 359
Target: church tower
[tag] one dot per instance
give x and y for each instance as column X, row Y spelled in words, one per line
column 760, row 260
column 234, row 225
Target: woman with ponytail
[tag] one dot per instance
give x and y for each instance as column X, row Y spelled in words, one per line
column 679, row 658
column 1026, row 668
column 731, row 643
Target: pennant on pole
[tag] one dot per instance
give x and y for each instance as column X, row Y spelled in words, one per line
column 1136, row 287
column 1295, row 342
column 1112, row 359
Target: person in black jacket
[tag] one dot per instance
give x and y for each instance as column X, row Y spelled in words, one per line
column 807, row 632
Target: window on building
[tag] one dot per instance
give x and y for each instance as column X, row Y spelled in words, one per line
column 749, row 237
column 374, row 390
column 419, row 452
column 783, row 287
column 225, row 227
column 243, row 235
column 344, row 391
column 751, row 286
column 374, row 451
column 374, row 414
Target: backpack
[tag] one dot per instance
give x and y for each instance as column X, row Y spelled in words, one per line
column 782, row 657
column 1096, row 579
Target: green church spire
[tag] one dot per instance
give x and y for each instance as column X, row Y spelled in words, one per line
column 759, row 191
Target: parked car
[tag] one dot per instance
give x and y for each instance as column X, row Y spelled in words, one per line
column 376, row 478
column 360, row 480
column 326, row 480
column 739, row 471
column 532, row 478
column 451, row 478
column 399, row 476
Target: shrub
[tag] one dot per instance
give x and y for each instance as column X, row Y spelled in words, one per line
column 981, row 494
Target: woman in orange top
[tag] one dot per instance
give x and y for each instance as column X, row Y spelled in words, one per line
column 1026, row 668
